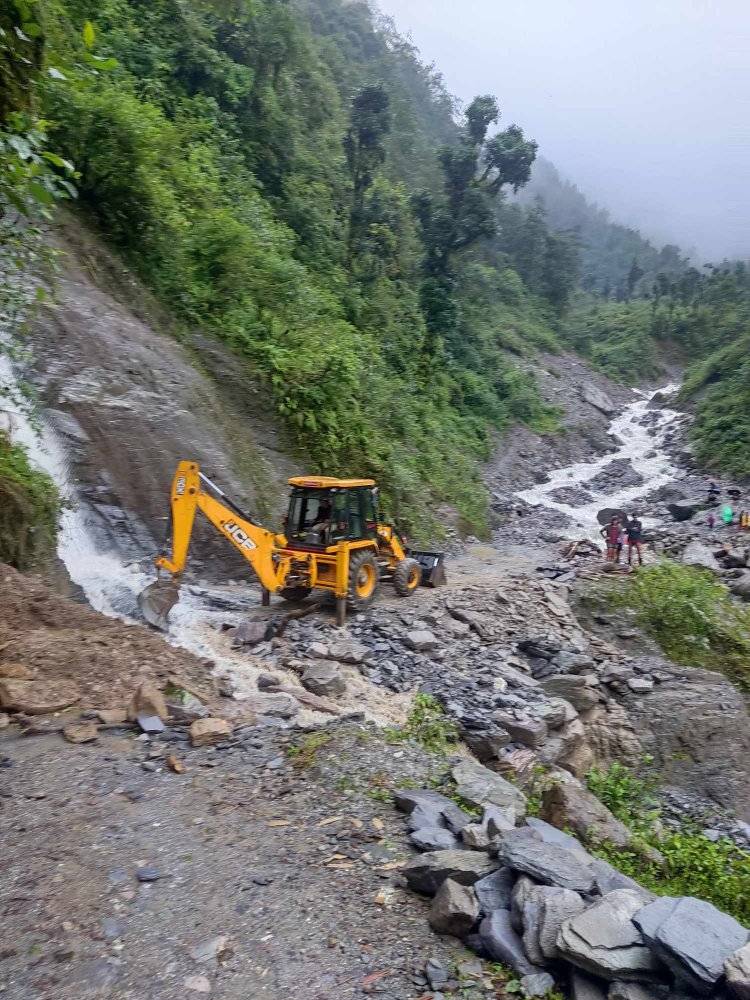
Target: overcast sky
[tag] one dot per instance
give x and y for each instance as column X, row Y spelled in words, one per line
column 644, row 104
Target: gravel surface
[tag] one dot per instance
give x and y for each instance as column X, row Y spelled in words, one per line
column 252, row 874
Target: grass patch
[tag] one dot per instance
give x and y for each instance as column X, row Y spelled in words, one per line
column 29, row 509
column 692, row 616
column 304, row 754
column 693, row 866
column 428, row 726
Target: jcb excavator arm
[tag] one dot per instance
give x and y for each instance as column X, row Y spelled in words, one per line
column 256, row 544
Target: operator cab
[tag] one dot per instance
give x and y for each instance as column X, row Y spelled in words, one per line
column 325, row 511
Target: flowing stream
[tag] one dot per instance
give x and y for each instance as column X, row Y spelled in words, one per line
column 639, row 433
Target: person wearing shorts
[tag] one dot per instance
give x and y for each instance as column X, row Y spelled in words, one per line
column 635, row 540
column 611, row 532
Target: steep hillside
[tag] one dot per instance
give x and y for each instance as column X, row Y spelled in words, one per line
column 276, row 174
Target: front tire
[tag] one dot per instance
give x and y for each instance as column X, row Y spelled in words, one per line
column 407, row 577
column 364, row 579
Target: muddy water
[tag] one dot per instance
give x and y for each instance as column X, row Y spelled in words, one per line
column 639, row 432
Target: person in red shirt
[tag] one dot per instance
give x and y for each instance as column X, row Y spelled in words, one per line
column 611, row 532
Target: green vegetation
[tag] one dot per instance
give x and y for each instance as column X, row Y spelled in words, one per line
column 304, row 753
column 29, row 509
column 693, row 866
column 703, row 318
column 428, row 726
column 280, row 173
column 692, row 616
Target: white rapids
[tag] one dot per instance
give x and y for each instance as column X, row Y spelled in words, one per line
column 641, row 443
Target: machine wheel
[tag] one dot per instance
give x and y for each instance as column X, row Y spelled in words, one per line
column 407, row 576
column 364, row 577
column 295, row 594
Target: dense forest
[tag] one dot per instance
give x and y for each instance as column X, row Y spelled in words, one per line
column 289, row 175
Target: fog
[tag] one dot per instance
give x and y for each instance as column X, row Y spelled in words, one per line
column 645, row 105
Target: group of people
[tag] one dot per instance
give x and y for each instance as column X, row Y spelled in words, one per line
column 728, row 514
column 621, row 532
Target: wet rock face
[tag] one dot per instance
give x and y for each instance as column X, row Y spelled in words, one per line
column 697, row 731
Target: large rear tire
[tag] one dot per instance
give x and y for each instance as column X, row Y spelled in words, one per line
column 364, row 579
column 295, row 595
column 407, row 577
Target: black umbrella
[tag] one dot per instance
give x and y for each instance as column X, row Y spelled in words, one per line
column 605, row 516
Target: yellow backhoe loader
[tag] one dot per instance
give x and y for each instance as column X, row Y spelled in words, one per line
column 332, row 541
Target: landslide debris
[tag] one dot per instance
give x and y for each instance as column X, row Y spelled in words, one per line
column 70, row 654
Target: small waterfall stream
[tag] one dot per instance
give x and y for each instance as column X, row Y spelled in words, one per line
column 639, row 432
column 109, row 582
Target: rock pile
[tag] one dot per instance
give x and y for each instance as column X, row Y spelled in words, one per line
column 532, row 897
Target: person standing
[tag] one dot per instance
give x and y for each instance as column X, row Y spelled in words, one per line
column 635, row 539
column 611, row 533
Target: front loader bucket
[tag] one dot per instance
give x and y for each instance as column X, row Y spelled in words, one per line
column 433, row 567
column 157, row 600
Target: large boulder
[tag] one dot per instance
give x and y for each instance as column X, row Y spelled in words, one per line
column 420, row 803
column 545, row 910
column 546, row 863
column 692, row 937
column 684, row 510
column 698, row 554
column 494, row 891
column 454, row 910
column 480, row 786
column 737, row 971
column 208, row 732
column 149, row 701
column 503, row 943
column 570, row 805
column 324, row 678
column 36, row 697
column 527, row 731
column 574, row 688
column 433, row 838
column 599, row 400
column 427, row 872
column 551, row 835
column 604, row 940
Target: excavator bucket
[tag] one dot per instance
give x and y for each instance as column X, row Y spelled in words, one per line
column 157, row 600
column 433, row 567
